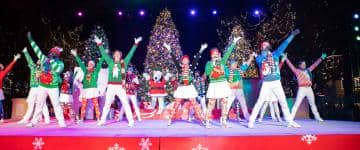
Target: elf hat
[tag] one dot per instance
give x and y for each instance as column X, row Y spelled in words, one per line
column 214, row 51
column 56, row 50
column 185, row 57
column 264, row 45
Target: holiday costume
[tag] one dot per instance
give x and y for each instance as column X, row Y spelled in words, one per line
column 186, row 89
column 200, row 86
column 268, row 63
column 304, row 77
column 157, row 89
column 90, row 90
column 218, row 86
column 3, row 74
column 33, row 92
column 132, row 84
column 66, row 97
column 237, row 92
column 51, row 67
column 116, row 84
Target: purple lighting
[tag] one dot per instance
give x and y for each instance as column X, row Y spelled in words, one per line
column 80, row 14
column 192, row 12
column 141, row 12
column 120, row 13
column 214, row 12
column 256, row 12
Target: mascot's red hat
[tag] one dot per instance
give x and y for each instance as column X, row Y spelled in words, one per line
column 214, row 51
column 56, row 50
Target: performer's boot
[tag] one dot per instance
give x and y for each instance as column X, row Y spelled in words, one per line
column 211, row 105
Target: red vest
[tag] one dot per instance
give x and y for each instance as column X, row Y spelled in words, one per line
column 157, row 87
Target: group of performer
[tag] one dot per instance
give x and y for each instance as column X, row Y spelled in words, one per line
column 224, row 78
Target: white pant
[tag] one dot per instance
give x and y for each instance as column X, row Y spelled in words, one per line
column 53, row 93
column 239, row 95
column 112, row 91
column 268, row 88
column 309, row 94
column 32, row 96
column 274, row 110
column 160, row 99
column 133, row 100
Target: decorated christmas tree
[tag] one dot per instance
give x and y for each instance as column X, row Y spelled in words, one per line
column 242, row 51
column 158, row 57
column 91, row 51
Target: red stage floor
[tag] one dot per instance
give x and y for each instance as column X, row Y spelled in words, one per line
column 154, row 134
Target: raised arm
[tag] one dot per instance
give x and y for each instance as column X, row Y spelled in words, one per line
column 36, row 48
column 28, row 58
column 198, row 56
column 246, row 64
column 129, row 56
column 99, row 64
column 291, row 66
column 280, row 50
column 57, row 66
column 78, row 60
column 208, row 68
column 103, row 53
column 173, row 57
column 229, row 50
column 317, row 62
column 11, row 65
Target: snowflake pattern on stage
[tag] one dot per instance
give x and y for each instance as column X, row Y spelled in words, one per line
column 200, row 147
column 145, row 144
column 116, row 147
column 309, row 138
column 38, row 143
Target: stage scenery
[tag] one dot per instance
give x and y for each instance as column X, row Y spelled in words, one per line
column 179, row 75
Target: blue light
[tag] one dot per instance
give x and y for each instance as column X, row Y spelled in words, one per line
column 141, row 12
column 356, row 28
column 356, row 16
column 256, row 12
column 214, row 12
column 192, row 12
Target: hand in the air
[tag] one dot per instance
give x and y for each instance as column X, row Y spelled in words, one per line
column 203, row 47
column 167, row 46
column 138, row 40
column 17, row 56
column 73, row 52
column 236, row 39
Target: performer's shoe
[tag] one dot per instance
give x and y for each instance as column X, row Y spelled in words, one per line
column 260, row 120
column 240, row 120
column 139, row 119
column 131, row 125
column 80, row 122
column 207, row 124
column 293, row 125
column 280, row 120
column 2, row 121
column 251, row 125
column 159, row 112
column 319, row 119
column 30, row 125
column 224, row 124
column 47, row 121
column 101, row 122
column 22, row 122
column 169, row 122
column 62, row 124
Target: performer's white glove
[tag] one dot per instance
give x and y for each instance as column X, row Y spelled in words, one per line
column 167, row 76
column 167, row 46
column 17, row 56
column 295, row 32
column 146, row 76
column 138, row 40
column 284, row 57
column 24, row 50
column 203, row 47
column 236, row 39
column 97, row 40
column 254, row 54
column 73, row 52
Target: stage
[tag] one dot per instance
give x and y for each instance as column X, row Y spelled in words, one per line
column 155, row 134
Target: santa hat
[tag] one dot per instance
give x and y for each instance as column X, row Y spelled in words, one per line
column 56, row 50
column 214, row 51
column 185, row 57
column 264, row 44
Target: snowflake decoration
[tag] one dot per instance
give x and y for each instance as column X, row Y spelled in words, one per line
column 309, row 138
column 116, row 147
column 145, row 144
column 200, row 147
column 38, row 143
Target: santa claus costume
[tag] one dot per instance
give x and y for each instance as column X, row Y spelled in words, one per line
column 3, row 73
column 218, row 87
column 33, row 92
column 51, row 67
column 157, row 89
column 186, row 89
column 116, row 80
column 268, row 63
column 304, row 78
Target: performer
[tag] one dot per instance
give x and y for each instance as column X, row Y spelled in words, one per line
column 304, row 78
column 3, row 73
column 218, row 86
column 51, row 67
column 66, row 98
column 236, row 85
column 132, row 85
column 186, row 89
column 200, row 85
column 268, row 63
column 272, row 101
column 89, row 91
column 33, row 92
column 116, row 83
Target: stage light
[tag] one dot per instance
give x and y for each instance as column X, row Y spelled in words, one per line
column 358, row 38
column 356, row 16
column 80, row 14
column 120, row 13
column 192, row 12
column 141, row 12
column 256, row 12
column 214, row 12
column 356, row 28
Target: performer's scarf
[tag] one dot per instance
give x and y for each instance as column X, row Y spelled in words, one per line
column 231, row 76
column 270, row 62
column 89, row 74
column 185, row 74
